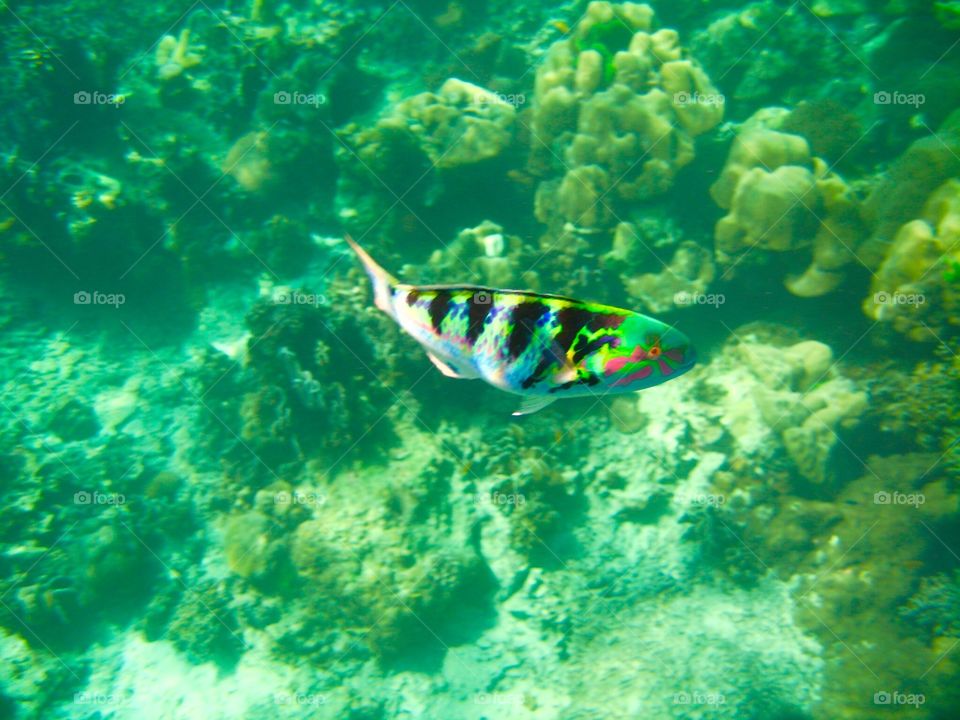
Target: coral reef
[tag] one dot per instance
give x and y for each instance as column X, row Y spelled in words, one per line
column 227, row 475
column 483, row 255
column 902, row 191
column 460, row 124
column 420, row 151
column 616, row 107
column 911, row 288
column 936, row 605
column 303, row 405
column 779, row 198
column 414, row 592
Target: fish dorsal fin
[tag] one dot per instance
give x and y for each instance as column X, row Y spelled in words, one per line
column 447, row 369
column 531, row 403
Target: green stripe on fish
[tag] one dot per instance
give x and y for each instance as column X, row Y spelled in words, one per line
column 535, row 345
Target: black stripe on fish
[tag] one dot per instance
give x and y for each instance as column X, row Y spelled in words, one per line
column 439, row 307
column 478, row 308
column 539, row 371
column 606, row 321
column 413, row 296
column 524, row 317
column 582, row 347
column 589, row 379
column 572, row 320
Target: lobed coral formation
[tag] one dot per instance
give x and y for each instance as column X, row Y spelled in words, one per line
column 460, row 124
column 290, row 515
column 616, row 107
column 780, row 198
column 912, row 288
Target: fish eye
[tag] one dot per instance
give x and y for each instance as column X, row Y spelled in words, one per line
column 653, row 341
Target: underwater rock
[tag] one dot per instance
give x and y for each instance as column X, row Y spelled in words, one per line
column 204, row 626
column 74, row 421
column 255, row 549
column 460, row 125
column 855, row 581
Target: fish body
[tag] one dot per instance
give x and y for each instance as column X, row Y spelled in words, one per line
column 541, row 347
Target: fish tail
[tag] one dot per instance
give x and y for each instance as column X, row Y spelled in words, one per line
column 382, row 281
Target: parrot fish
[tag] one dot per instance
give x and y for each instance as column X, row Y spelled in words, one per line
column 538, row 346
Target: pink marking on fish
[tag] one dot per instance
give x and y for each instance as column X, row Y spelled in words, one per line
column 638, row 375
column 665, row 369
column 615, row 365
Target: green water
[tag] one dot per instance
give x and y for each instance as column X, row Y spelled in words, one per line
column 231, row 487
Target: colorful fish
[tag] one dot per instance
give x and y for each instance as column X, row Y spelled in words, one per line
column 541, row 347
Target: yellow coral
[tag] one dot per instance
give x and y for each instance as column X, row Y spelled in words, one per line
column 173, row 55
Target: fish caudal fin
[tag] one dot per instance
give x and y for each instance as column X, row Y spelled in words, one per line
column 382, row 281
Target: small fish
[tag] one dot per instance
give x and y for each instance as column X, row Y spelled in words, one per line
column 541, row 347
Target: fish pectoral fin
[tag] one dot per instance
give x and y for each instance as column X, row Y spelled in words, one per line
column 566, row 374
column 531, row 403
column 566, row 371
column 446, row 369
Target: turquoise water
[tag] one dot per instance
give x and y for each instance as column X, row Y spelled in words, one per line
column 232, row 487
